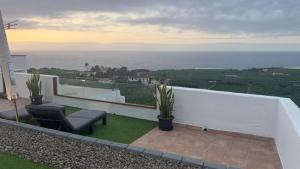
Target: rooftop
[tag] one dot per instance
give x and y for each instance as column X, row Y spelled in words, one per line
column 244, row 130
column 230, row 149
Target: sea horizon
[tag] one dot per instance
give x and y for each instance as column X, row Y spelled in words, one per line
column 156, row 60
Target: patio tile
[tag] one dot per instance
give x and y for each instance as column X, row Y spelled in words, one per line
column 236, row 158
column 262, row 160
column 215, row 154
column 229, row 149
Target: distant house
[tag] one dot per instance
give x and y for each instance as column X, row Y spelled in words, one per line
column 142, row 80
column 87, row 73
column 154, row 82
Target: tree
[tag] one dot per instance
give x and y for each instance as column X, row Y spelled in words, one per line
column 87, row 66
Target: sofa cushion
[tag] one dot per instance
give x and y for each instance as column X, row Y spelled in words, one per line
column 79, row 123
column 89, row 114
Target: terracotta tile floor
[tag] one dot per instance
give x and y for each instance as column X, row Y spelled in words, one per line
column 8, row 105
column 236, row 150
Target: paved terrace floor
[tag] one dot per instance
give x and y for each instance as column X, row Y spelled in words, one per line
column 8, row 105
column 236, row 150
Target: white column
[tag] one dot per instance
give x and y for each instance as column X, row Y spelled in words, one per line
column 6, row 64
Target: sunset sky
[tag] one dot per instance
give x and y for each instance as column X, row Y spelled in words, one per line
column 153, row 25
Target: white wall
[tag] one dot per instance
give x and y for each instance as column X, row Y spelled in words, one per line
column 250, row 114
column 287, row 137
column 92, row 93
column 130, row 111
column 21, row 78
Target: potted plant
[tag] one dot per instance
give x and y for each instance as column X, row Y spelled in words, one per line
column 165, row 100
column 34, row 85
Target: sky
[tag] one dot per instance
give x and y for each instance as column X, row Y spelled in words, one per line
column 217, row 25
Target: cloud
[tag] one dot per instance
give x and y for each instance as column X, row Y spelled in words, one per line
column 255, row 17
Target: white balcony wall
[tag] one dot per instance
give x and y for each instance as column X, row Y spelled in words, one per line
column 112, row 95
column 250, row 114
column 21, row 78
column 287, row 137
column 125, row 110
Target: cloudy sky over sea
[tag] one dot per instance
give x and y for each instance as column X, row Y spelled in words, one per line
column 154, row 24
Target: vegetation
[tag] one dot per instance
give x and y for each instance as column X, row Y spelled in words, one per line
column 8, row 161
column 133, row 92
column 34, row 85
column 165, row 100
column 87, row 66
column 120, row 128
column 272, row 81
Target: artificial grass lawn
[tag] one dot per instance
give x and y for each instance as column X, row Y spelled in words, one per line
column 119, row 128
column 12, row 162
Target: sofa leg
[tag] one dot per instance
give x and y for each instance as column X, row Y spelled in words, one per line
column 104, row 120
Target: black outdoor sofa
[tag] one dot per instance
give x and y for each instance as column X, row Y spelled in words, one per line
column 53, row 116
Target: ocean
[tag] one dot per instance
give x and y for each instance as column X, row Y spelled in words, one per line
column 161, row 60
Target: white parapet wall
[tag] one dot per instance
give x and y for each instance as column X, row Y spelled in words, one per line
column 115, row 108
column 22, row 90
column 287, row 133
column 113, row 95
column 245, row 113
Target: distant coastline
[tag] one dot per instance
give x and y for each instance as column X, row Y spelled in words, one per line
column 162, row 60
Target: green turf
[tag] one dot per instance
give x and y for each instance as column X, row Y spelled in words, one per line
column 120, row 128
column 12, row 162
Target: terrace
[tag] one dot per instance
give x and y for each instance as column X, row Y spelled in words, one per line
column 244, row 131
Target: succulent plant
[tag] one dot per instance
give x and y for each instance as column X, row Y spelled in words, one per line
column 165, row 99
column 34, row 85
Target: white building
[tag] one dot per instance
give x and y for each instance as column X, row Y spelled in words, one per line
column 142, row 80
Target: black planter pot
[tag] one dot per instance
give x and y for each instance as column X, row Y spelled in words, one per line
column 165, row 124
column 36, row 100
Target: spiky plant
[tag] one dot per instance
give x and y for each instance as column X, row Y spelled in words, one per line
column 165, row 99
column 34, row 85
